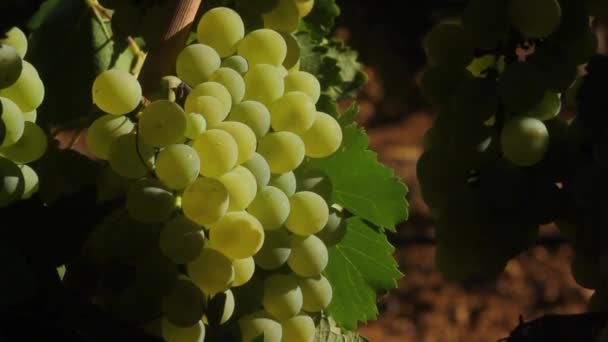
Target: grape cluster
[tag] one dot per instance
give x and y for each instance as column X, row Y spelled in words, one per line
column 496, row 161
column 224, row 221
column 21, row 140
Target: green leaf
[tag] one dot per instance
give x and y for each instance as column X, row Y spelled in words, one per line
column 359, row 267
column 327, row 331
column 363, row 185
column 321, row 19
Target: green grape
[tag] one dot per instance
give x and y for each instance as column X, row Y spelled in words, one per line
column 195, row 63
column 218, row 152
column 300, row 328
column 116, row 92
column 263, row 83
column 310, row 179
column 148, row 201
column 275, row 251
column 259, row 168
column 253, row 114
column 334, row 230
column 195, row 125
column 283, row 71
column 308, row 215
column 236, row 63
column 243, row 270
column 205, row 201
column 521, row 86
column 173, row 333
column 284, row 151
column 317, row 293
column 585, row 272
column 30, row 147
column 31, row 181
column 212, row 271
column 293, row 50
column 486, row 22
column 13, row 122
column 213, row 89
column 263, row 46
column 304, row 82
column 260, row 325
column 282, row 296
column 270, row 207
column 324, row 136
column 285, row 181
column 284, row 17
column 237, row 235
column 232, row 80
column 104, row 130
column 211, row 109
column 130, row 157
column 184, row 306
column 17, row 39
column 12, row 183
column 439, row 82
column 30, row 116
column 447, row 44
column 162, row 123
column 241, row 185
column 10, row 65
column 524, row 140
column 244, row 137
column 548, row 108
column 477, row 98
column 293, row 112
column 308, row 256
column 181, row 240
column 28, row 91
column 222, row 29
column 535, row 18
column 224, row 304
column 177, row 166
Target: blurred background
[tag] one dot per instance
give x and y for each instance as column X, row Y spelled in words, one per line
column 426, row 308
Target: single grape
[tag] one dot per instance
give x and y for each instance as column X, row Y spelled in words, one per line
column 524, row 140
column 220, row 308
column 548, row 108
column 31, row 181
column 308, row 256
column 13, row 122
column 243, row 270
column 270, row 207
column 212, row 271
column 104, row 130
column 308, row 215
column 521, row 86
column 300, row 328
column 253, row 114
column 173, row 333
column 205, row 201
column 244, row 137
column 259, row 168
column 305, row 7
column 282, row 296
column 448, row 44
column 241, row 185
column 294, row 112
column 334, row 230
column 184, row 306
column 259, row 324
column 275, row 251
column 284, row 151
column 212, row 110
column 284, row 17
column 263, row 46
column 181, row 240
column 12, row 183
column 196, row 62
column 236, row 63
column 148, row 201
column 17, row 39
column 130, row 157
column 222, row 29
column 10, row 65
column 304, row 82
column 263, row 83
column 162, row 123
column 535, row 18
column 116, row 92
column 285, row 181
column 177, row 166
column 316, row 292
column 216, row 113
column 324, row 136
column 232, row 80
column 237, row 235
column 217, row 151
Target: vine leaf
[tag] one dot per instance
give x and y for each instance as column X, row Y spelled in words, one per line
column 359, row 266
column 321, row 19
column 327, row 331
column 363, row 185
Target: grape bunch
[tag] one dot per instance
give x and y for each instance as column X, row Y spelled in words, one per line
column 497, row 161
column 224, row 222
column 21, row 140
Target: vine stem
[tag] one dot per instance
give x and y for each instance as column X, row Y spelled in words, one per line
column 163, row 54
